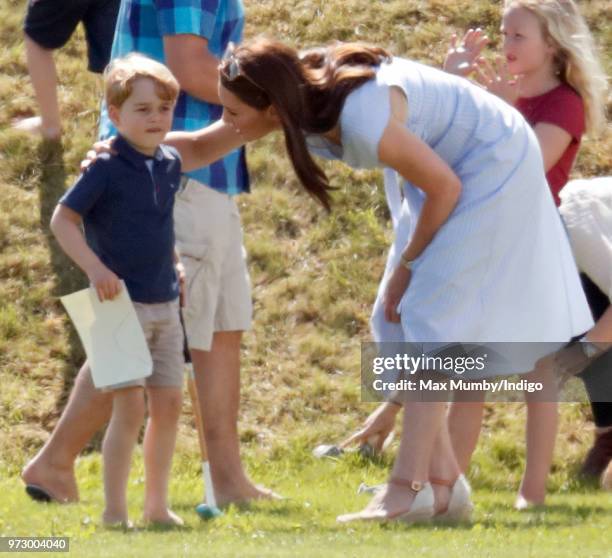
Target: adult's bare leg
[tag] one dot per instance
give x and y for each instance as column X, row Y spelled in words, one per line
column 52, row 468
column 43, row 74
column 541, row 435
column 464, row 425
column 444, row 465
column 421, row 428
column 217, row 375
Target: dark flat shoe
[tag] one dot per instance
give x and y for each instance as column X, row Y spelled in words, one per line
column 39, row 494
column 598, row 457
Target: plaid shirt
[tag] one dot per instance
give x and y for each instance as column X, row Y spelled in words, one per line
column 141, row 25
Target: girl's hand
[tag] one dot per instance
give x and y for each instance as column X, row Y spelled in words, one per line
column 396, row 287
column 461, row 59
column 572, row 360
column 376, row 428
column 104, row 146
column 498, row 80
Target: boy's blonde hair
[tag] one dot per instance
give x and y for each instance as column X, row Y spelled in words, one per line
column 121, row 73
column 576, row 59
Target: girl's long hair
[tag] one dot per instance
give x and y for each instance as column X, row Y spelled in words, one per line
column 307, row 90
column 576, row 60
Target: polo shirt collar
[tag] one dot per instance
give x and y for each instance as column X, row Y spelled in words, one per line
column 125, row 150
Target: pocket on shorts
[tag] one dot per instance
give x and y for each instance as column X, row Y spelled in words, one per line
column 193, row 257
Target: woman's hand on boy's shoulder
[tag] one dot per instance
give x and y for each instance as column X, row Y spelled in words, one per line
column 103, row 146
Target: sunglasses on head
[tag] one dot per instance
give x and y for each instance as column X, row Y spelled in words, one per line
column 233, row 69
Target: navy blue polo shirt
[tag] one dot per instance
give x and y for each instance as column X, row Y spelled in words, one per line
column 127, row 217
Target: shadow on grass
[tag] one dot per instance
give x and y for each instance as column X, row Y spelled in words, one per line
column 330, row 526
column 67, row 277
column 278, row 508
column 551, row 516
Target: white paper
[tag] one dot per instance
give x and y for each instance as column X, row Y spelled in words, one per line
column 112, row 337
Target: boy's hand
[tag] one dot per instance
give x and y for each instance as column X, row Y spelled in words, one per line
column 105, row 282
column 180, row 274
column 104, row 146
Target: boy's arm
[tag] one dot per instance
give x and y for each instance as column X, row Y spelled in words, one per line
column 66, row 226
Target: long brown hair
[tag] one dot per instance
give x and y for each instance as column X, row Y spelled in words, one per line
column 307, row 90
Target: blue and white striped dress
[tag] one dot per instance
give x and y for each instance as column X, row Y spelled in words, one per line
column 500, row 269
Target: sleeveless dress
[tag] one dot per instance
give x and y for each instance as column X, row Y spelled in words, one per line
column 500, row 269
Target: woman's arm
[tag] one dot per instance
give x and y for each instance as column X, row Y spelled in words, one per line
column 199, row 148
column 420, row 165
column 202, row 147
column 205, row 146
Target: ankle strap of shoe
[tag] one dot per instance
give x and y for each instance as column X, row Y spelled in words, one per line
column 415, row 486
column 442, row 482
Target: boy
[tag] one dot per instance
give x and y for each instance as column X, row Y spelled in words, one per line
column 125, row 201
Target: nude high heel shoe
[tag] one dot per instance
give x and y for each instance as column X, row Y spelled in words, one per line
column 460, row 505
column 421, row 509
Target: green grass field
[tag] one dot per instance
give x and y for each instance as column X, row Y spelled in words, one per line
column 314, row 280
column 576, row 521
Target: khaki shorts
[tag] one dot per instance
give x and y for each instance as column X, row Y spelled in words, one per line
column 209, row 240
column 161, row 325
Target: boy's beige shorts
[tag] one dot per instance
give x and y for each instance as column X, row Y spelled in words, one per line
column 162, row 329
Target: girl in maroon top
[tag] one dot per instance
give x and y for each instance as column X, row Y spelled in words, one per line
column 551, row 74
